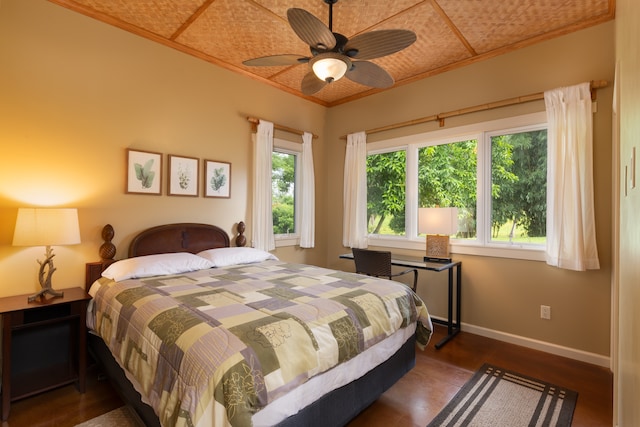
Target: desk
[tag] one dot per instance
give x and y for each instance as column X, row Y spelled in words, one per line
column 413, row 262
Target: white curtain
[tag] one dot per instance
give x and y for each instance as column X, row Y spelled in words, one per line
column 571, row 233
column 307, row 195
column 354, row 227
column 262, row 230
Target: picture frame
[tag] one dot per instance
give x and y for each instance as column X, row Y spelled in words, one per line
column 183, row 177
column 144, row 172
column 217, row 179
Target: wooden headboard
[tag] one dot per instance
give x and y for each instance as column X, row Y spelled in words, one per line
column 169, row 238
column 184, row 237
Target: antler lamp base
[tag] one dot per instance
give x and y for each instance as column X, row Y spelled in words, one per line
column 44, row 276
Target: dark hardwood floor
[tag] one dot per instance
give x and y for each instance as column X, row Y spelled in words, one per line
column 414, row 401
column 439, row 374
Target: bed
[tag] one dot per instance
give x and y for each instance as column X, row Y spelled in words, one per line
column 193, row 331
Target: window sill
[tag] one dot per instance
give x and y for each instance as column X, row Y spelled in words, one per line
column 515, row 252
column 498, row 251
column 283, row 241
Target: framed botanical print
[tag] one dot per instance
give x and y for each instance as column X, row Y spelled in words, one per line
column 144, row 169
column 183, row 176
column 217, row 179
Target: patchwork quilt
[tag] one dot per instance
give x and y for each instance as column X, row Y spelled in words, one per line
column 212, row 347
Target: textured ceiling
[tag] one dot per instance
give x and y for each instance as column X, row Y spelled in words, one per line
column 450, row 33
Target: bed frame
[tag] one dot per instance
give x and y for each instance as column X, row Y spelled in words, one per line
column 334, row 409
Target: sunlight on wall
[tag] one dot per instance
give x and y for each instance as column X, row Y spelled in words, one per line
column 41, row 175
column 33, row 194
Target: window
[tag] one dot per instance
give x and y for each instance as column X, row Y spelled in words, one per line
column 447, row 177
column 493, row 172
column 519, row 187
column 386, row 176
column 285, row 161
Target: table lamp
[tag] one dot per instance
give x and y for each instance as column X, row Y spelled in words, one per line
column 46, row 227
column 438, row 224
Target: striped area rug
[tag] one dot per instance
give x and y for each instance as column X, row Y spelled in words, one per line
column 120, row 417
column 496, row 397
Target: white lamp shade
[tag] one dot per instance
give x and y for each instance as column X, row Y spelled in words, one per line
column 329, row 67
column 46, row 227
column 438, row 221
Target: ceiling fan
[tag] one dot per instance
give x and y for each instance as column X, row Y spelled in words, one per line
column 334, row 56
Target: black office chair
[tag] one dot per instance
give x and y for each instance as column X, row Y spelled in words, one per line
column 378, row 264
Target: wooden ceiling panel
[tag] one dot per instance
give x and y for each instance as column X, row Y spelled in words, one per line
column 162, row 17
column 494, row 24
column 436, row 47
column 222, row 32
column 354, row 17
column 350, row 17
column 279, row 7
column 450, row 33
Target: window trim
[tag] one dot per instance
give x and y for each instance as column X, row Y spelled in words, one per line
column 288, row 147
column 479, row 131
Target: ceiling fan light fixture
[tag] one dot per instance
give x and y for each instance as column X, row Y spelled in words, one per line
column 330, row 67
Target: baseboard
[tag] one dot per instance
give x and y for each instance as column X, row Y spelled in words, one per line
column 572, row 353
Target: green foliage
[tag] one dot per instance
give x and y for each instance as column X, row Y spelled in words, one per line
column 504, row 202
column 283, row 171
column 183, row 180
column 447, row 177
column 283, row 187
column 283, row 216
column 386, row 175
column 519, row 192
column 218, row 180
column 144, row 174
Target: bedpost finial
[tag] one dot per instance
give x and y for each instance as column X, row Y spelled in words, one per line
column 241, row 240
column 107, row 249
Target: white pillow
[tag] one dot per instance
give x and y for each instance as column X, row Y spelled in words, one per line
column 155, row 265
column 222, row 257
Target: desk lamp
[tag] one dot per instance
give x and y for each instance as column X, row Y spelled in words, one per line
column 46, row 227
column 438, row 224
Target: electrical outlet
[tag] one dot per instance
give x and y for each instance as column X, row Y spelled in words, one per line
column 545, row 312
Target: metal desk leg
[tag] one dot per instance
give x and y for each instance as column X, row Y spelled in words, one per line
column 452, row 329
column 458, row 298
column 450, row 304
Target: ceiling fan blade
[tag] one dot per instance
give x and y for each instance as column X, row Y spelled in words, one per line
column 276, row 60
column 369, row 74
column 312, row 84
column 376, row 44
column 310, row 29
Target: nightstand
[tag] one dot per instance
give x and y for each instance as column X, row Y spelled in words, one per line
column 44, row 344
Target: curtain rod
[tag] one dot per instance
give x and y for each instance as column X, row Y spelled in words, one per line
column 254, row 121
column 595, row 84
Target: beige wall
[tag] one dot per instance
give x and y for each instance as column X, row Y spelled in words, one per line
column 76, row 93
column 627, row 378
column 501, row 294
